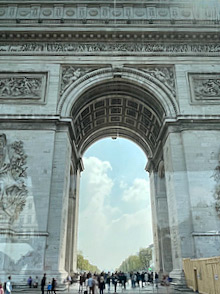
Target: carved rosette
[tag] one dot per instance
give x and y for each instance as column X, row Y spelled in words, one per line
column 13, row 189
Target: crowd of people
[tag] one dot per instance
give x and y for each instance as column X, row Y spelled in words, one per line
column 92, row 283
column 95, row 283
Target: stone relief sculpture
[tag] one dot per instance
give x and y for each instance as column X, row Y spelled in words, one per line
column 70, row 74
column 207, row 88
column 20, row 87
column 165, row 75
column 13, row 189
column 216, row 195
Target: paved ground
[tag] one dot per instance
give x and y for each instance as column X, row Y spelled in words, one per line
column 146, row 290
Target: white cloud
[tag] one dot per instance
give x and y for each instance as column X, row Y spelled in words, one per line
column 138, row 192
column 108, row 234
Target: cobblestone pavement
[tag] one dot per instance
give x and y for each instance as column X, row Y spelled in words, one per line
column 149, row 289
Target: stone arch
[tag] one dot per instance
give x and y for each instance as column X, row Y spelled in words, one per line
column 132, row 75
column 122, row 102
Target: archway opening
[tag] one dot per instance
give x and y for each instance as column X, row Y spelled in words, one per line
column 117, row 107
column 115, row 219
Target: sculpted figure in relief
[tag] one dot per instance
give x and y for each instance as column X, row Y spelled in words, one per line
column 13, row 190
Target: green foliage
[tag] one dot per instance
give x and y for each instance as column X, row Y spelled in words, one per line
column 84, row 265
column 137, row 262
column 145, row 255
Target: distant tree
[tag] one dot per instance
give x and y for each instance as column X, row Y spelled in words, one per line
column 137, row 262
column 145, row 255
column 84, row 265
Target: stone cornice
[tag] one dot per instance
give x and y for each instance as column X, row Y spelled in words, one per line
column 110, row 12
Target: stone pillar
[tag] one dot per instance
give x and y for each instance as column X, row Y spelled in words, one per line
column 76, row 217
column 157, row 255
column 179, row 206
column 58, row 211
column 70, row 224
column 161, row 232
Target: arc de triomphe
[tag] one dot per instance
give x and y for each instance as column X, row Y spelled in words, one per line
column 73, row 72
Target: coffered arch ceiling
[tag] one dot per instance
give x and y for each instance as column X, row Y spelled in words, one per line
column 117, row 108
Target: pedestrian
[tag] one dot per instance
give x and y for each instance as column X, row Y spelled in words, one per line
column 81, row 282
column 29, row 281
column 54, row 285
column 1, row 289
column 49, row 288
column 101, row 285
column 115, row 281
column 35, row 285
column 146, row 278
column 108, row 281
column 156, row 277
column 8, row 286
column 142, row 279
column 91, row 285
column 43, row 283
column 69, row 282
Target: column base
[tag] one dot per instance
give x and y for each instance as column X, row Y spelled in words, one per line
column 178, row 277
column 20, row 279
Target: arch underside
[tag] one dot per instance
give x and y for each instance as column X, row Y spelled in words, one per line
column 117, row 109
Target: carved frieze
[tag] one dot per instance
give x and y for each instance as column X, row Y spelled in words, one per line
column 165, row 75
column 139, row 48
column 13, row 188
column 23, row 87
column 205, row 88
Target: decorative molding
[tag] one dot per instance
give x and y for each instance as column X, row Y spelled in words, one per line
column 205, row 88
column 206, row 234
column 61, row 48
column 108, row 12
column 13, row 189
column 7, row 231
column 22, row 87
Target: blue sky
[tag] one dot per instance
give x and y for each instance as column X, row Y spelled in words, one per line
column 114, row 210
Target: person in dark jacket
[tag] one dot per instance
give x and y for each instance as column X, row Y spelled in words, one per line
column 101, row 284
column 54, row 285
column 43, row 283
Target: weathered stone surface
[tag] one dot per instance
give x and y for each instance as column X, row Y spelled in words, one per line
column 77, row 71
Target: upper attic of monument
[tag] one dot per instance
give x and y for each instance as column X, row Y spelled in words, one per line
column 121, row 12
column 173, row 22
